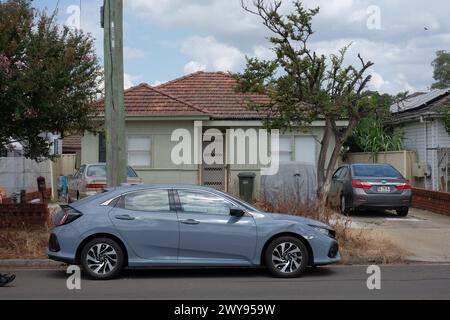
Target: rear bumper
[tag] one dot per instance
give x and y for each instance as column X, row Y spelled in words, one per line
column 382, row 201
column 59, row 258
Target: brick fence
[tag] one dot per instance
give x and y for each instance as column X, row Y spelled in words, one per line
column 24, row 216
column 30, row 196
column 438, row 202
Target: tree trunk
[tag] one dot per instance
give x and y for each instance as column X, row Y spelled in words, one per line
column 321, row 164
column 325, row 176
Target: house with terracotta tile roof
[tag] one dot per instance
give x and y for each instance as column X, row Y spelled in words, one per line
column 198, row 101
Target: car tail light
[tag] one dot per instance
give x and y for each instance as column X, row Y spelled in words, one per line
column 358, row 184
column 66, row 216
column 95, row 186
column 404, row 186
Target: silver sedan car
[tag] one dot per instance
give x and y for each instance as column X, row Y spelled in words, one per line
column 370, row 186
column 90, row 179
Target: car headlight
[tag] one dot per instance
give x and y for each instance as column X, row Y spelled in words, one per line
column 325, row 231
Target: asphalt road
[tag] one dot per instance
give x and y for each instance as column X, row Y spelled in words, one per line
column 337, row 282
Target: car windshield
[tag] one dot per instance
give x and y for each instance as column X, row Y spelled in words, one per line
column 375, row 171
column 100, row 171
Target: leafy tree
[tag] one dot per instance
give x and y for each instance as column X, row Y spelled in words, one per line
column 441, row 72
column 49, row 75
column 305, row 86
column 371, row 134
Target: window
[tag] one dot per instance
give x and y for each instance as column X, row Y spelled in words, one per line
column 337, row 173
column 305, row 149
column 139, row 151
column 101, row 148
column 343, row 173
column 149, row 200
column 80, row 172
column 99, row 171
column 203, row 202
column 285, row 149
column 375, row 171
column 96, row 171
column 298, row 148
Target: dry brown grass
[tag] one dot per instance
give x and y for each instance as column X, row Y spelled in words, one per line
column 24, row 244
column 358, row 246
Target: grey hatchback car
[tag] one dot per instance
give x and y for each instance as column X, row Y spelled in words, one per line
column 177, row 225
column 370, row 186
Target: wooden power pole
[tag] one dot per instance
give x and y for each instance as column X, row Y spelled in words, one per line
column 116, row 156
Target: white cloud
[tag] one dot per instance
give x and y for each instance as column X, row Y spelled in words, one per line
column 402, row 50
column 157, row 83
column 194, row 66
column 263, row 53
column 130, row 80
column 377, row 82
column 218, row 16
column 209, row 54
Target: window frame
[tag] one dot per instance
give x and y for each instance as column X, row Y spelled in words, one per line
column 292, row 151
column 80, row 172
column 292, row 142
column 150, row 152
column 337, row 173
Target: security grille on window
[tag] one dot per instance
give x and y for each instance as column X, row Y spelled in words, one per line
column 139, row 151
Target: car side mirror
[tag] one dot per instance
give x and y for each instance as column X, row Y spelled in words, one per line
column 237, row 212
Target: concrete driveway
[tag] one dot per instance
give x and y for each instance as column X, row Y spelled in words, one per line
column 425, row 235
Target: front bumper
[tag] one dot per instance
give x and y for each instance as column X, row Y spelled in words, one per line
column 325, row 251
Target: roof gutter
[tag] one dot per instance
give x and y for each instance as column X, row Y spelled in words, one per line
column 412, row 118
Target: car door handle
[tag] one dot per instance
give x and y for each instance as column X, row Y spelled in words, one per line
column 125, row 217
column 190, row 221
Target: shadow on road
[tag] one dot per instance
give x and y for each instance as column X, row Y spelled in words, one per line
column 373, row 214
column 202, row 273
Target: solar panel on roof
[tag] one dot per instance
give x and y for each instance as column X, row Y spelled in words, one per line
column 418, row 101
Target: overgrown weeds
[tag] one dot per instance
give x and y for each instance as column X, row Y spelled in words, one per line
column 24, row 243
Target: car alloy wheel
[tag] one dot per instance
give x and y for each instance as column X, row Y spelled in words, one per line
column 287, row 257
column 102, row 259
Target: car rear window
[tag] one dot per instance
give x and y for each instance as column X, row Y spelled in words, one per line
column 375, row 171
column 96, row 171
column 100, row 171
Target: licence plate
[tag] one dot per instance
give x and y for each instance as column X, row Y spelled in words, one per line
column 384, row 189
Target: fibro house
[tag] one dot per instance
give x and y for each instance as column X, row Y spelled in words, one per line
column 157, row 119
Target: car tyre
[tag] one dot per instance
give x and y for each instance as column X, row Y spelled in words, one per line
column 102, row 259
column 286, row 257
column 403, row 212
column 343, row 206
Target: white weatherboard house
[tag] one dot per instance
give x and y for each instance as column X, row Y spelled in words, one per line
column 421, row 120
column 206, row 98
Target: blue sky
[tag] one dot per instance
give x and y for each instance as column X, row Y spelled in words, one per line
column 165, row 39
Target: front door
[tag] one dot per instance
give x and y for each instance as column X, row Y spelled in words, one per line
column 209, row 235
column 214, row 175
column 149, row 225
